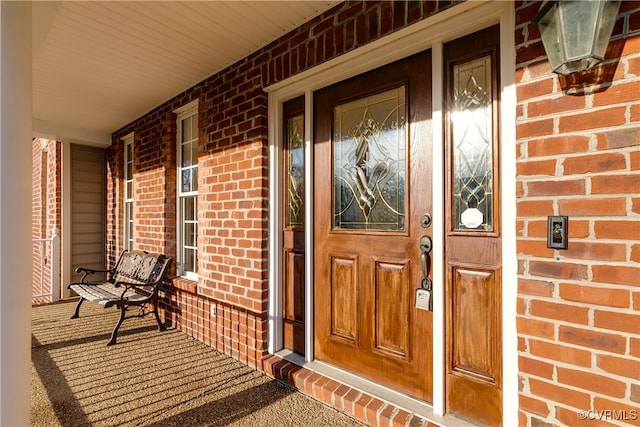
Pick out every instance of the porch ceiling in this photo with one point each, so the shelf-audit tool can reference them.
(98, 65)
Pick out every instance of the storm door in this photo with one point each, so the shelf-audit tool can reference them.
(372, 186)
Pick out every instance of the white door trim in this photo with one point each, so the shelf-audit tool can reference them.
(430, 33)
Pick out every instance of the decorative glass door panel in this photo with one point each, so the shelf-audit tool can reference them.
(472, 121)
(369, 169)
(295, 170)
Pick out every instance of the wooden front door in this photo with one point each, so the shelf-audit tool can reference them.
(372, 181)
(473, 245)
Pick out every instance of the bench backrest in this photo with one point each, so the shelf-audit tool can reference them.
(140, 267)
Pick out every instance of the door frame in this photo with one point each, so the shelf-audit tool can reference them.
(431, 33)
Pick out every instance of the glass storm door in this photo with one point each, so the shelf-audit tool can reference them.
(372, 182)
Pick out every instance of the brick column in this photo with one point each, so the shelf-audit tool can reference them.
(15, 212)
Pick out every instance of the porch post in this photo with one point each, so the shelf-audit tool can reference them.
(15, 212)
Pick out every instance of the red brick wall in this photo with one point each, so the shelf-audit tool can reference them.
(579, 155)
(154, 185)
(46, 209)
(38, 213)
(233, 176)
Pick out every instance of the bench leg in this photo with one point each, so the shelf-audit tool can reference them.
(161, 326)
(114, 334)
(76, 313)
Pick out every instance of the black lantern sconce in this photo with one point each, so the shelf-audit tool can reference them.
(575, 33)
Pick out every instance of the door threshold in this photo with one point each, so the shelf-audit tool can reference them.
(411, 405)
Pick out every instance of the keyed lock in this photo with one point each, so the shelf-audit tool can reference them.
(425, 220)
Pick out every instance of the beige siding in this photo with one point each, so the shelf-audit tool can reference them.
(87, 208)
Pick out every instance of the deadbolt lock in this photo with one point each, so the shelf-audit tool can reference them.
(425, 220)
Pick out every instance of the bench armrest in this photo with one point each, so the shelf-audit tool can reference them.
(88, 272)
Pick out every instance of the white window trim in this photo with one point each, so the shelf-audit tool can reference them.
(431, 33)
(128, 198)
(185, 111)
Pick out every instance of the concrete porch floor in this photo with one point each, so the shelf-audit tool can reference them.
(150, 378)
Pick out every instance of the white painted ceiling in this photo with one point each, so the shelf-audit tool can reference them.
(98, 65)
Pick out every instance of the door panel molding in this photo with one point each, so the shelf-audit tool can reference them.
(475, 290)
(392, 320)
(344, 298)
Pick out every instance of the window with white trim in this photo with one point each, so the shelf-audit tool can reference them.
(128, 192)
(187, 221)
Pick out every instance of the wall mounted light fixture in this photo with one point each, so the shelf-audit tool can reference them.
(575, 33)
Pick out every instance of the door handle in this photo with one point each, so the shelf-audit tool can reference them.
(425, 244)
(424, 294)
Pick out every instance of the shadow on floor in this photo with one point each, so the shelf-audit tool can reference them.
(150, 378)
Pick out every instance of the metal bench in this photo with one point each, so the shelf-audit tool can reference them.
(134, 281)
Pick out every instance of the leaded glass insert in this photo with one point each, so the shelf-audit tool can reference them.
(472, 121)
(369, 158)
(295, 171)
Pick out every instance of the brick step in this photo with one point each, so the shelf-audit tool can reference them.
(351, 401)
